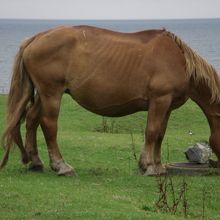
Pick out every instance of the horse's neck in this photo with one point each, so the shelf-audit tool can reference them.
(212, 111)
(201, 94)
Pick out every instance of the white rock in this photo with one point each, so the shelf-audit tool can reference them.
(199, 153)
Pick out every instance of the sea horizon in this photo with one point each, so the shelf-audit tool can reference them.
(203, 35)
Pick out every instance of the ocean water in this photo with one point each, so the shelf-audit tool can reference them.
(202, 35)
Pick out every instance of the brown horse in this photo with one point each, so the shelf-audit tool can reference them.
(111, 74)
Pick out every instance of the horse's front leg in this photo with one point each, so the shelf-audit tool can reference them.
(214, 141)
(158, 115)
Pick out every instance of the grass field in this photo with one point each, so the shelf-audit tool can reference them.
(108, 185)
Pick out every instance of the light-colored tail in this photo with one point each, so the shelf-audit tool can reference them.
(20, 94)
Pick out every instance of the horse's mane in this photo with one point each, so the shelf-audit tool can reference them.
(199, 68)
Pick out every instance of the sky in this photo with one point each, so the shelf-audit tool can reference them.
(109, 9)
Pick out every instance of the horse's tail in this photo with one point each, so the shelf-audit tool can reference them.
(20, 94)
(198, 68)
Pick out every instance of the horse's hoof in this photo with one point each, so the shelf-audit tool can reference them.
(142, 166)
(214, 164)
(154, 174)
(68, 173)
(36, 167)
(62, 168)
(66, 170)
(158, 170)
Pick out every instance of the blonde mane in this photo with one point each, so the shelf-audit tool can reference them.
(199, 68)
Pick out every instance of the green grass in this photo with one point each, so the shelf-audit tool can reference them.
(108, 185)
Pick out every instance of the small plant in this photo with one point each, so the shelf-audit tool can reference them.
(169, 198)
(133, 146)
(168, 151)
(107, 126)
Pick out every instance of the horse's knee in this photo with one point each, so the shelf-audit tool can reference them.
(152, 136)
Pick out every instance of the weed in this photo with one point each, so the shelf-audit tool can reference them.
(107, 126)
(169, 198)
(133, 150)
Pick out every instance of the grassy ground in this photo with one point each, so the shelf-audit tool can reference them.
(108, 185)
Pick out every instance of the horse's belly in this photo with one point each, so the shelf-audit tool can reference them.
(121, 109)
(117, 110)
(110, 103)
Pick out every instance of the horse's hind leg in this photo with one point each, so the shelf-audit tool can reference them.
(150, 161)
(32, 123)
(18, 140)
(49, 116)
